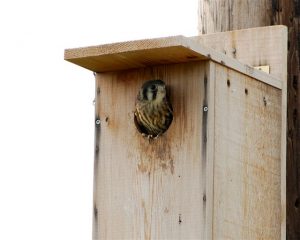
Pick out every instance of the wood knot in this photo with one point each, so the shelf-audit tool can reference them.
(228, 83)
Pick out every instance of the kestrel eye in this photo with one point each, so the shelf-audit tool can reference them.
(152, 87)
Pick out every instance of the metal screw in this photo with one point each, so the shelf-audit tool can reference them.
(205, 108)
(98, 121)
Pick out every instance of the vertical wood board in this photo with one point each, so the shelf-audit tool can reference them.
(225, 15)
(152, 190)
(247, 166)
(254, 46)
(288, 13)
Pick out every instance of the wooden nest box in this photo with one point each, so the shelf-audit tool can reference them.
(218, 172)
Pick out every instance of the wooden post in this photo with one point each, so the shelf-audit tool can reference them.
(226, 15)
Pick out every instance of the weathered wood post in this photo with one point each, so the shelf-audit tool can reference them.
(226, 15)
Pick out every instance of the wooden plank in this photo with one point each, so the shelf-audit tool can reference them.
(137, 59)
(247, 164)
(153, 190)
(225, 15)
(260, 46)
(283, 45)
(208, 174)
(133, 54)
(96, 227)
(150, 52)
(288, 13)
(254, 46)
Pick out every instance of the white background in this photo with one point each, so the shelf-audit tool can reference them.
(46, 110)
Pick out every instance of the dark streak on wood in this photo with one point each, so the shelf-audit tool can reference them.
(297, 9)
(204, 142)
(96, 162)
(295, 82)
(95, 212)
(275, 6)
(179, 219)
(297, 203)
(97, 142)
(95, 221)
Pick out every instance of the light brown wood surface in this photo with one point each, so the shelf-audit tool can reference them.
(217, 16)
(212, 175)
(254, 46)
(157, 189)
(151, 52)
(247, 165)
(225, 15)
(135, 54)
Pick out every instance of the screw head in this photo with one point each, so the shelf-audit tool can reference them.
(98, 121)
(205, 108)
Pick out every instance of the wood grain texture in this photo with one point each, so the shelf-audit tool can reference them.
(212, 175)
(135, 54)
(157, 189)
(288, 13)
(151, 52)
(226, 15)
(210, 155)
(259, 46)
(247, 166)
(255, 47)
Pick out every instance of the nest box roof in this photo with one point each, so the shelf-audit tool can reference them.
(150, 52)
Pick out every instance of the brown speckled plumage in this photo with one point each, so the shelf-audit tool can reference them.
(153, 114)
